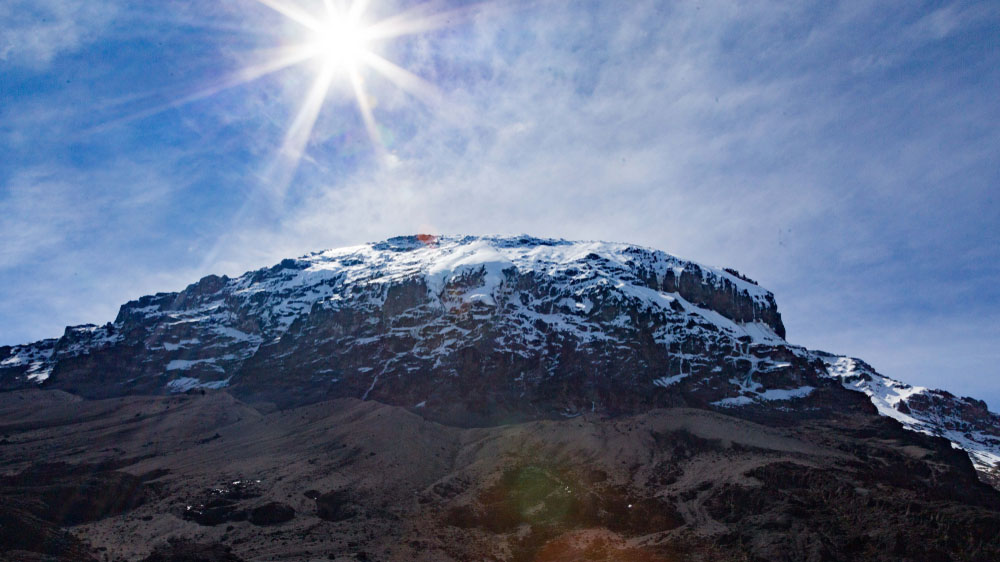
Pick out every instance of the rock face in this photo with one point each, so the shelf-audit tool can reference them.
(479, 331)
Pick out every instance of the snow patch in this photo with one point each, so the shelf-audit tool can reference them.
(774, 394)
(180, 344)
(469, 258)
(672, 380)
(187, 364)
(761, 333)
(184, 384)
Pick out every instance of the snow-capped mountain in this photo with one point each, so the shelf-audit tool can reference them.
(483, 329)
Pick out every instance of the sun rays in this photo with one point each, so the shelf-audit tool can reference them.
(342, 46)
(341, 41)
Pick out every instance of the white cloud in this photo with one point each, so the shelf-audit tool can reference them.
(34, 32)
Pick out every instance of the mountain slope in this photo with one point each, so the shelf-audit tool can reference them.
(484, 330)
(360, 480)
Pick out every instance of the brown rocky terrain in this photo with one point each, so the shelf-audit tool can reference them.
(202, 476)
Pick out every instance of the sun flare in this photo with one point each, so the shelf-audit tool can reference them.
(340, 42)
(347, 48)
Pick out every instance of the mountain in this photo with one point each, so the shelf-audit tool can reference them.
(483, 330)
(479, 398)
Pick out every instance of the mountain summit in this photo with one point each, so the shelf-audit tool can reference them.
(485, 330)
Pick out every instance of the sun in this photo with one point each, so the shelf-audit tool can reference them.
(339, 36)
(346, 44)
(340, 41)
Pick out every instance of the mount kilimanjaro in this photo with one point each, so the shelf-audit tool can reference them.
(470, 335)
(478, 330)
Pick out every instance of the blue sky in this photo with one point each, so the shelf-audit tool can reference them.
(846, 155)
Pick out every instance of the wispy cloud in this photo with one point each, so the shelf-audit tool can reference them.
(55, 210)
(71, 244)
(36, 31)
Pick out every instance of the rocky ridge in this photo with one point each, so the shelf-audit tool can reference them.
(482, 330)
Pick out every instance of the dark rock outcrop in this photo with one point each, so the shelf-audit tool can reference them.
(337, 506)
(65, 494)
(37, 503)
(272, 513)
(24, 537)
(724, 297)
